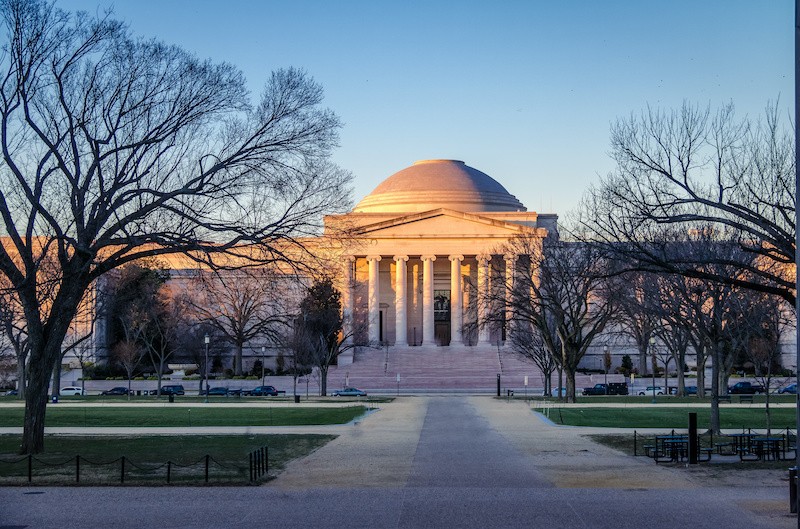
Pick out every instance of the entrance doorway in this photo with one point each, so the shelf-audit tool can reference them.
(441, 316)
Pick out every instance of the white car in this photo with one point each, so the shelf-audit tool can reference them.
(649, 391)
(71, 390)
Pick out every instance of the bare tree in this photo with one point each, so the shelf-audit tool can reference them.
(636, 319)
(128, 355)
(241, 306)
(566, 286)
(528, 343)
(117, 148)
(676, 170)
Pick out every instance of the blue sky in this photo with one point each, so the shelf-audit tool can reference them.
(522, 90)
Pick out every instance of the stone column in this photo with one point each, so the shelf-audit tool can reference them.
(374, 332)
(456, 301)
(347, 298)
(511, 262)
(483, 299)
(428, 334)
(400, 314)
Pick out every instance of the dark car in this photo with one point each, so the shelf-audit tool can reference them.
(349, 392)
(215, 391)
(12, 393)
(690, 390)
(115, 391)
(170, 389)
(263, 391)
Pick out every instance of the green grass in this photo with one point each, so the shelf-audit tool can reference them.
(146, 458)
(655, 417)
(182, 416)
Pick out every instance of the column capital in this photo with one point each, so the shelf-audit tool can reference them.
(427, 257)
(400, 258)
(456, 257)
(373, 258)
(510, 256)
(349, 258)
(483, 258)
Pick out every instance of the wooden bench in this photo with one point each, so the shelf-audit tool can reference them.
(745, 398)
(724, 398)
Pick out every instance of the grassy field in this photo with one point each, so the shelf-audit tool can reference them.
(146, 458)
(655, 417)
(182, 416)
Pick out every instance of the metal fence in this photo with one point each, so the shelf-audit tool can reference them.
(122, 470)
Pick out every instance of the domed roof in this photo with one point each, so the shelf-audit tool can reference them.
(433, 184)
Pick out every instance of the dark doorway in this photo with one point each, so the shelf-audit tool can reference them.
(441, 316)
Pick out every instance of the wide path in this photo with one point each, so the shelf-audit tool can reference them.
(422, 462)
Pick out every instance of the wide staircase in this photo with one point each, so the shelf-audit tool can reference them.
(424, 368)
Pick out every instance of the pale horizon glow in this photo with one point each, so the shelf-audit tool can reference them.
(524, 91)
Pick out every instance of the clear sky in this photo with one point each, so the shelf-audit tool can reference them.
(524, 91)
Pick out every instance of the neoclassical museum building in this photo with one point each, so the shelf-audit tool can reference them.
(426, 249)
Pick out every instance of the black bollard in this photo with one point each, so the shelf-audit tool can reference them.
(498, 384)
(693, 445)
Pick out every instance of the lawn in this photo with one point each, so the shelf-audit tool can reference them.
(146, 458)
(182, 416)
(655, 417)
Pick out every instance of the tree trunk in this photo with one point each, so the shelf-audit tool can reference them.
(715, 424)
(323, 380)
(237, 360)
(701, 374)
(643, 359)
(570, 384)
(36, 396)
(55, 387)
(21, 378)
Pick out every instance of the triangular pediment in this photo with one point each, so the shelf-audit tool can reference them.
(441, 223)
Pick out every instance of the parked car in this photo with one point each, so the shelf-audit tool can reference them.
(119, 390)
(219, 391)
(71, 390)
(11, 393)
(649, 390)
(554, 392)
(613, 388)
(691, 390)
(169, 389)
(349, 392)
(791, 388)
(263, 391)
(745, 388)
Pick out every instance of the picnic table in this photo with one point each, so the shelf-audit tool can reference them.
(671, 448)
(741, 441)
(766, 448)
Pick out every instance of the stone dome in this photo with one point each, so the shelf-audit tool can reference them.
(433, 184)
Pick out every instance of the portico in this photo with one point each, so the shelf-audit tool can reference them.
(427, 263)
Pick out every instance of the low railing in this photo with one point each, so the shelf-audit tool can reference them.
(122, 470)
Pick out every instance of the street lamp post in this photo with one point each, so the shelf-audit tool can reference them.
(605, 367)
(207, 339)
(263, 351)
(653, 367)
